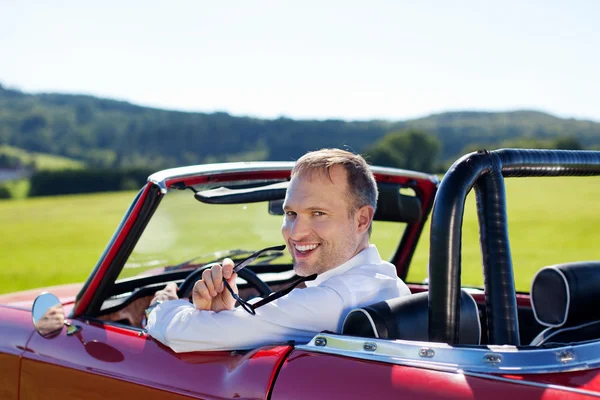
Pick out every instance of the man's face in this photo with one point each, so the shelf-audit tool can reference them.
(319, 229)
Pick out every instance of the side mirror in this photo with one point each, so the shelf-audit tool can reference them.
(48, 316)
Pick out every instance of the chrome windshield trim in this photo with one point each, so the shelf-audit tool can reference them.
(441, 356)
(159, 178)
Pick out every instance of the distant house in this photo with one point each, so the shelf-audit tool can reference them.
(9, 174)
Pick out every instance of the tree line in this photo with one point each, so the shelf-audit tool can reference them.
(111, 135)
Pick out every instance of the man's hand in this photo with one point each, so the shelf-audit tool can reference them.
(168, 293)
(210, 292)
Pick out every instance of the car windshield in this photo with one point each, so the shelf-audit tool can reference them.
(185, 232)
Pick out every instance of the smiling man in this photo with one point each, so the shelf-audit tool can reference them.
(329, 208)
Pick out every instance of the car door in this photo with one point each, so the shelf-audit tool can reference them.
(312, 375)
(107, 361)
(15, 330)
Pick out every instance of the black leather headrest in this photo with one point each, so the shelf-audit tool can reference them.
(567, 294)
(407, 318)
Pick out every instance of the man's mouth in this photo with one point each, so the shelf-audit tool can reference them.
(305, 249)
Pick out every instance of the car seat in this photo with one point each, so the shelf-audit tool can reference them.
(565, 298)
(407, 318)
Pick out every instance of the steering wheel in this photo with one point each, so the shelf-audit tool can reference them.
(185, 289)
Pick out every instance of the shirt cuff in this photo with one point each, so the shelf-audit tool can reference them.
(161, 314)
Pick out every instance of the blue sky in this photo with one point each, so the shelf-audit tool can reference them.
(350, 60)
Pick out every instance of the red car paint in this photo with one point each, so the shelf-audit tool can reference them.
(307, 375)
(16, 327)
(100, 353)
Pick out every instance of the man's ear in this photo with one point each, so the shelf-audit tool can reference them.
(364, 216)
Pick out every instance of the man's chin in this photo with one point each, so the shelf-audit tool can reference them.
(302, 269)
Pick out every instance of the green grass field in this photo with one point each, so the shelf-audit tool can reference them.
(56, 240)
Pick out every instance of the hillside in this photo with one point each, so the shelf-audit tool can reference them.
(457, 130)
(110, 133)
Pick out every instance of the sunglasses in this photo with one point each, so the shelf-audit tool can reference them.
(251, 308)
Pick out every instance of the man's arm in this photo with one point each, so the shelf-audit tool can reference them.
(298, 316)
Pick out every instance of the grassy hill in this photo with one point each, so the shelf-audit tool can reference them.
(468, 129)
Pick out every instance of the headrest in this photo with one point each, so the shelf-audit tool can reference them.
(567, 294)
(407, 318)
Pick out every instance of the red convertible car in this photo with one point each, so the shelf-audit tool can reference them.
(442, 341)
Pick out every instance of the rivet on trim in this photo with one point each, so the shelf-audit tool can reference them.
(492, 358)
(370, 346)
(320, 341)
(426, 352)
(565, 356)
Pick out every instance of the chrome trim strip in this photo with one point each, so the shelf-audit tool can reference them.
(159, 178)
(530, 383)
(482, 359)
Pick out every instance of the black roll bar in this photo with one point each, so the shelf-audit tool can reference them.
(485, 171)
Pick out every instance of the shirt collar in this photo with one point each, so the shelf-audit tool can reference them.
(370, 255)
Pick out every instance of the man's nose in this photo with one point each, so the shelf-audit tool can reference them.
(299, 228)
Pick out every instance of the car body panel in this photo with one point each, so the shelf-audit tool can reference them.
(16, 328)
(332, 376)
(114, 360)
(586, 380)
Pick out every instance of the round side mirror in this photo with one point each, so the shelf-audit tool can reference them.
(48, 315)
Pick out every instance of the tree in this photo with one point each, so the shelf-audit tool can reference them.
(5, 192)
(410, 149)
(568, 143)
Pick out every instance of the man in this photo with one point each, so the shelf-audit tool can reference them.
(329, 207)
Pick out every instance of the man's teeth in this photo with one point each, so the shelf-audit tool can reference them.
(307, 247)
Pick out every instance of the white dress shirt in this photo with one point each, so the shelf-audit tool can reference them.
(297, 316)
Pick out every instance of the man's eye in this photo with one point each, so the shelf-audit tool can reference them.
(290, 214)
(318, 213)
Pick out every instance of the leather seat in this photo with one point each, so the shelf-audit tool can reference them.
(407, 318)
(565, 298)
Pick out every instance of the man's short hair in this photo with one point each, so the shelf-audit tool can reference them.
(361, 182)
